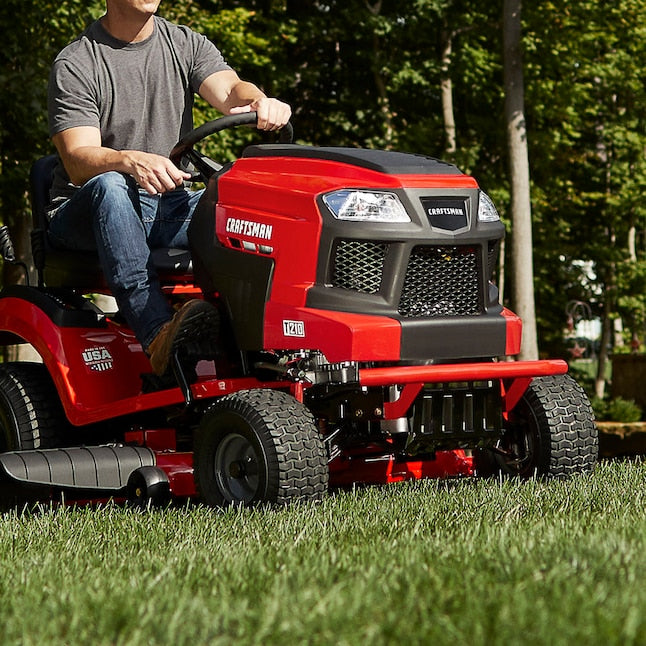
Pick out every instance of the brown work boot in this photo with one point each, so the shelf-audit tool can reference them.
(195, 323)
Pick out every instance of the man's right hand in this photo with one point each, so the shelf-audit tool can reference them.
(154, 173)
(84, 158)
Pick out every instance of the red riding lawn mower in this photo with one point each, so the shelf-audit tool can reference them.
(359, 339)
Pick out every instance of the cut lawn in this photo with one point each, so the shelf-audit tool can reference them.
(432, 562)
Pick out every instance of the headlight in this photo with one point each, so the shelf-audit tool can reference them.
(366, 206)
(486, 209)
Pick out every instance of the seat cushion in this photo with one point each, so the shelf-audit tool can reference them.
(82, 270)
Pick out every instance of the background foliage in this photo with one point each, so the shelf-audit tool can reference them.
(369, 72)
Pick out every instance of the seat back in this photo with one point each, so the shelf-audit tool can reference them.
(82, 270)
(40, 181)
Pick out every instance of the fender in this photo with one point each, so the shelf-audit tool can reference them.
(94, 363)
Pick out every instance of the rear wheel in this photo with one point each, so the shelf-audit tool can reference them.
(550, 432)
(259, 446)
(31, 415)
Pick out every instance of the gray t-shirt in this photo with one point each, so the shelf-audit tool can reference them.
(139, 95)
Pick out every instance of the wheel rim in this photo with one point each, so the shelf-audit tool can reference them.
(237, 469)
(518, 450)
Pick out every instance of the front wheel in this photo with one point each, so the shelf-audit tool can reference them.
(551, 431)
(258, 446)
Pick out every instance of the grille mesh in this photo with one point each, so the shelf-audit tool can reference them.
(358, 265)
(441, 281)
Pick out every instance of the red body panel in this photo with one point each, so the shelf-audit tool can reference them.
(97, 372)
(514, 332)
(287, 189)
(384, 468)
(355, 337)
(93, 368)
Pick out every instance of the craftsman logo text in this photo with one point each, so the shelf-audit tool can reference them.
(250, 229)
(445, 210)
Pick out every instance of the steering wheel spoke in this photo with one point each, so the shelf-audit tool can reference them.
(201, 167)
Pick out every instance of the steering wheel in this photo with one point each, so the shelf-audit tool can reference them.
(206, 167)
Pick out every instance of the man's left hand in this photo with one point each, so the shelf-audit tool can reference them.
(272, 113)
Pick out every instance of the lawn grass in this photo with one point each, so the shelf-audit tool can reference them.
(431, 562)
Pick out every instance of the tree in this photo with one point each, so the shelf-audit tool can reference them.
(588, 115)
(33, 33)
(521, 212)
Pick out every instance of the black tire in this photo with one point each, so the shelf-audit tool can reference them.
(551, 431)
(31, 415)
(259, 446)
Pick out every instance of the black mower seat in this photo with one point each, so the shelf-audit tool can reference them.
(65, 268)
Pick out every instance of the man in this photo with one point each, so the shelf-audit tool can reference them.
(120, 97)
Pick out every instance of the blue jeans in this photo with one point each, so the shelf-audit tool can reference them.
(111, 215)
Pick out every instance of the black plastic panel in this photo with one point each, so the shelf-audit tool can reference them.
(464, 337)
(105, 468)
(64, 307)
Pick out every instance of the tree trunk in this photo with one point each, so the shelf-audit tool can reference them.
(602, 362)
(446, 90)
(382, 91)
(521, 212)
(632, 243)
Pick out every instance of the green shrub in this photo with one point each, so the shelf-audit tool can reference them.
(616, 410)
(600, 408)
(624, 410)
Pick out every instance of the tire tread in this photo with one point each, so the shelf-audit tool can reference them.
(27, 389)
(298, 456)
(567, 423)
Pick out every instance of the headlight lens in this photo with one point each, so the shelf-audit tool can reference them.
(486, 209)
(366, 206)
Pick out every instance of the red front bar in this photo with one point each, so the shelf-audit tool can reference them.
(446, 373)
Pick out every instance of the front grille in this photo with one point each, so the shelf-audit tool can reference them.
(449, 416)
(358, 265)
(442, 281)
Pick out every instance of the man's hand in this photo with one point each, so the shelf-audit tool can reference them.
(155, 174)
(230, 95)
(84, 157)
(272, 113)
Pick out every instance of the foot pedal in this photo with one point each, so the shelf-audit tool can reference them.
(196, 340)
(198, 336)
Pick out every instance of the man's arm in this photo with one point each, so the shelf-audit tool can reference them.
(84, 157)
(228, 93)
